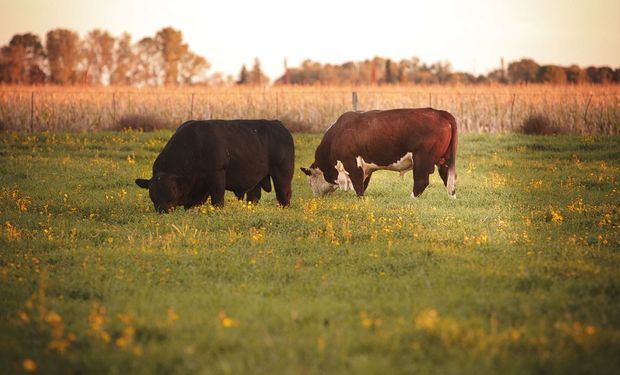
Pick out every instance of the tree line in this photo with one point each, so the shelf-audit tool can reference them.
(165, 59)
(101, 59)
(412, 71)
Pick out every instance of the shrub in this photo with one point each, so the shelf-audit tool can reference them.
(147, 123)
(537, 124)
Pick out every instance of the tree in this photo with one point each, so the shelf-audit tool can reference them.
(328, 75)
(63, 52)
(551, 74)
(244, 77)
(496, 76)
(124, 61)
(310, 72)
(257, 77)
(461, 78)
(441, 70)
(367, 71)
(601, 75)
(148, 68)
(575, 75)
(524, 70)
(218, 79)
(406, 69)
(22, 61)
(193, 69)
(347, 73)
(172, 49)
(390, 77)
(98, 51)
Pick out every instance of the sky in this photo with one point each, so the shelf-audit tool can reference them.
(473, 35)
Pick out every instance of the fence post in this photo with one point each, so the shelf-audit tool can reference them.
(585, 115)
(113, 109)
(354, 100)
(277, 106)
(191, 108)
(32, 112)
(512, 109)
(430, 99)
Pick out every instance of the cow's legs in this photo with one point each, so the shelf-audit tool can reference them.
(356, 175)
(282, 183)
(443, 172)
(254, 194)
(239, 194)
(424, 166)
(218, 187)
(197, 202)
(366, 181)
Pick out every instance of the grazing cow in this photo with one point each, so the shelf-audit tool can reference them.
(360, 143)
(204, 158)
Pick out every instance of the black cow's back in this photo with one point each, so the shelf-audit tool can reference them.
(206, 145)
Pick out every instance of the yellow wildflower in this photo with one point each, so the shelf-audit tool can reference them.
(29, 365)
(226, 321)
(172, 315)
(427, 320)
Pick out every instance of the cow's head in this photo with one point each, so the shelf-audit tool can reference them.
(165, 190)
(317, 181)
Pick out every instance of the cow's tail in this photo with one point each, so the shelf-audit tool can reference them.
(454, 142)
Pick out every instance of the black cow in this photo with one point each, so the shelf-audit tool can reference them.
(205, 158)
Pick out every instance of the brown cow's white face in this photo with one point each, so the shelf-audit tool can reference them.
(318, 184)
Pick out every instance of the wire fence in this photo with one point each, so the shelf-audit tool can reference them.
(477, 110)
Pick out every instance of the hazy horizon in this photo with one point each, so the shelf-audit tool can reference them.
(472, 35)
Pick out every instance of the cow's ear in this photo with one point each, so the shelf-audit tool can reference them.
(307, 171)
(144, 184)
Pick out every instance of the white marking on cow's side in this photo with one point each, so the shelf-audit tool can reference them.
(318, 184)
(343, 181)
(402, 165)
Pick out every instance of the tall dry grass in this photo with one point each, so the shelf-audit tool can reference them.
(478, 109)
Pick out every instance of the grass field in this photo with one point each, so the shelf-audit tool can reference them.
(521, 274)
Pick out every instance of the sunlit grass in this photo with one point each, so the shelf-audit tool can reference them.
(576, 109)
(518, 275)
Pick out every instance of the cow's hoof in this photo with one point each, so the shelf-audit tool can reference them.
(412, 196)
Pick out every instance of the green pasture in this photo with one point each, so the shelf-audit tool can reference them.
(519, 275)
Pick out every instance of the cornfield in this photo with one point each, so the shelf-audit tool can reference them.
(488, 109)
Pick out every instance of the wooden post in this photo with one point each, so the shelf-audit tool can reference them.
(52, 121)
(512, 109)
(430, 100)
(32, 112)
(354, 100)
(585, 115)
(191, 108)
(277, 100)
(113, 109)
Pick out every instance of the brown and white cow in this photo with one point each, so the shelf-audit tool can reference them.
(401, 140)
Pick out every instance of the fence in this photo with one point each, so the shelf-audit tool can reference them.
(500, 109)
